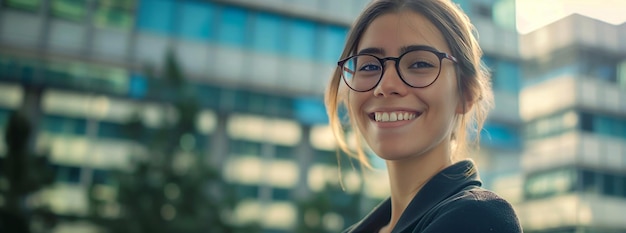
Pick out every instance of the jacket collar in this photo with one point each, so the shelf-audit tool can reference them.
(444, 184)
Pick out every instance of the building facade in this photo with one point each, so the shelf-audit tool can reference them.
(573, 104)
(82, 69)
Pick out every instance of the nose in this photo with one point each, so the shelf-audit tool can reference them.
(390, 83)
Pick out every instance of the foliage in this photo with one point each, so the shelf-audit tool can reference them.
(332, 200)
(171, 188)
(23, 174)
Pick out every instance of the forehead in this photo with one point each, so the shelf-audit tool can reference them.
(392, 31)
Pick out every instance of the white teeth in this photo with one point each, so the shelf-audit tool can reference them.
(393, 116)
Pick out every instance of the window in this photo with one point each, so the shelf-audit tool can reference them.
(257, 103)
(280, 194)
(325, 157)
(101, 176)
(500, 136)
(242, 100)
(232, 27)
(208, 96)
(621, 74)
(247, 191)
(114, 14)
(284, 106)
(63, 125)
(67, 174)
(608, 125)
(483, 10)
(268, 33)
(508, 76)
(156, 15)
(69, 9)
(586, 122)
(196, 20)
(302, 41)
(333, 39)
(553, 125)
(111, 130)
(504, 14)
(589, 181)
(622, 187)
(138, 86)
(240, 147)
(609, 185)
(549, 183)
(598, 64)
(285, 152)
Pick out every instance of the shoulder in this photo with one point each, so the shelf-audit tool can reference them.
(474, 210)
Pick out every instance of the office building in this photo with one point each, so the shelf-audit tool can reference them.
(573, 104)
(81, 71)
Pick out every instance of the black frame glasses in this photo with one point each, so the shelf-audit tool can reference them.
(419, 72)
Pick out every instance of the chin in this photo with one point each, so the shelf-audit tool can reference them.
(394, 154)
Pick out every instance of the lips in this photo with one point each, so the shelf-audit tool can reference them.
(393, 116)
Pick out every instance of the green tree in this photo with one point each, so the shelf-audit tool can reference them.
(24, 173)
(172, 189)
(332, 200)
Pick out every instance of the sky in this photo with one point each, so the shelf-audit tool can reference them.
(533, 14)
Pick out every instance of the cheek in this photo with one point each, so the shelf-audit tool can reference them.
(355, 102)
(449, 89)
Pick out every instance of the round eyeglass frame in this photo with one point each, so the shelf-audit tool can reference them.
(440, 55)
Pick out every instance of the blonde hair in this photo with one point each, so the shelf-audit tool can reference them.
(473, 79)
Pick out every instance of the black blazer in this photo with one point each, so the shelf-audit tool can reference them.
(452, 201)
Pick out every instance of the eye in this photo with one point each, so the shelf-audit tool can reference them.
(421, 64)
(369, 67)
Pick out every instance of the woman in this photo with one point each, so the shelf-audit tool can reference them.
(413, 86)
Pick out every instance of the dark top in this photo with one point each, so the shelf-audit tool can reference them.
(452, 201)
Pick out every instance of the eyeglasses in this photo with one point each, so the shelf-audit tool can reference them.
(417, 68)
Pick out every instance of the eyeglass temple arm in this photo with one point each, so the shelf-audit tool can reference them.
(348, 70)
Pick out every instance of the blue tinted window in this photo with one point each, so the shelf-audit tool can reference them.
(232, 27)
(111, 130)
(507, 76)
(208, 96)
(62, 125)
(500, 136)
(155, 15)
(247, 191)
(138, 86)
(602, 125)
(310, 111)
(68, 174)
(241, 147)
(280, 194)
(332, 43)
(4, 117)
(268, 33)
(301, 39)
(101, 176)
(196, 20)
(285, 152)
(489, 62)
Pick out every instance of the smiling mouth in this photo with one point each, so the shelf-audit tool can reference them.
(393, 116)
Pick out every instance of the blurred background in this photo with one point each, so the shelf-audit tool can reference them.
(208, 116)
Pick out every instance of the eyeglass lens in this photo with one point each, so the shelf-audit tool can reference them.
(417, 68)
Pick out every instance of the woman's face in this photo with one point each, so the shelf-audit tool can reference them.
(431, 110)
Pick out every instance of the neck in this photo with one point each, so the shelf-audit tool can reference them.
(407, 176)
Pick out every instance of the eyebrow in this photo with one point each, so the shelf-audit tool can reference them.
(404, 49)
